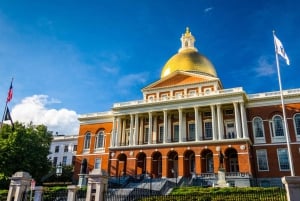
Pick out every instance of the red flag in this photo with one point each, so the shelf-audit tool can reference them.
(10, 93)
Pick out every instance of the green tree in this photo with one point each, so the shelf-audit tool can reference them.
(24, 148)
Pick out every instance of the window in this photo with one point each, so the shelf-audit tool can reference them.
(283, 159)
(207, 114)
(192, 93)
(56, 149)
(262, 160)
(151, 98)
(54, 161)
(73, 160)
(164, 97)
(178, 94)
(229, 112)
(297, 124)
(97, 164)
(208, 129)
(175, 133)
(258, 129)
(99, 140)
(277, 126)
(230, 130)
(66, 148)
(64, 160)
(146, 134)
(191, 131)
(207, 90)
(161, 133)
(87, 141)
(75, 147)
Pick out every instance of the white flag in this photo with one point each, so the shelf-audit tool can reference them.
(280, 50)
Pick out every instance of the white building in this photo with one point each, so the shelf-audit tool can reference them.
(63, 149)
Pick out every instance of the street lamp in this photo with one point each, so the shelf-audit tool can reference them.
(174, 174)
(59, 170)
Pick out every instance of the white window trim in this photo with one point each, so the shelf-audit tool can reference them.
(266, 155)
(295, 128)
(258, 139)
(158, 137)
(146, 135)
(100, 164)
(230, 121)
(96, 141)
(205, 137)
(188, 130)
(283, 170)
(84, 143)
(192, 93)
(173, 134)
(151, 98)
(164, 96)
(274, 138)
(178, 95)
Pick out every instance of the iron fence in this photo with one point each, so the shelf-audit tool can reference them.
(278, 195)
(61, 195)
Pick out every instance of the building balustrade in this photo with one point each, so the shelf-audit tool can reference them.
(188, 96)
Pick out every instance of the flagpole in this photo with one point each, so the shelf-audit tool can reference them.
(3, 115)
(287, 135)
(7, 100)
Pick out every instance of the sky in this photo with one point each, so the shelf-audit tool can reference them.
(69, 58)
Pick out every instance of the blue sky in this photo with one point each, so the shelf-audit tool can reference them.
(75, 57)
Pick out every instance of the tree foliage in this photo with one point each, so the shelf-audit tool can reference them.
(25, 148)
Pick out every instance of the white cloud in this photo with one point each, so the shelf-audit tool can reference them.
(34, 109)
(206, 10)
(265, 68)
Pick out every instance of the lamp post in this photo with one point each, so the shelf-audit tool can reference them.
(59, 170)
(175, 175)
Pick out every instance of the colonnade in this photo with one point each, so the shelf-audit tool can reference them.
(132, 130)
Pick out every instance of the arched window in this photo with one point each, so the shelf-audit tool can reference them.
(278, 126)
(87, 141)
(258, 129)
(297, 124)
(99, 140)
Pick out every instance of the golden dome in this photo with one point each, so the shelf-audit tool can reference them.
(188, 59)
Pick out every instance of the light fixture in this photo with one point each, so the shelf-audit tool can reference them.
(59, 170)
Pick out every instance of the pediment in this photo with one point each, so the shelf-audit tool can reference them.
(179, 79)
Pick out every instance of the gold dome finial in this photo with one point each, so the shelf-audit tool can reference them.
(188, 59)
(187, 31)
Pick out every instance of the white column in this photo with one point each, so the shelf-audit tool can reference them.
(154, 136)
(169, 128)
(141, 130)
(131, 130)
(165, 126)
(150, 129)
(220, 122)
(123, 132)
(118, 138)
(113, 133)
(136, 129)
(200, 126)
(213, 121)
(180, 124)
(237, 120)
(197, 129)
(244, 120)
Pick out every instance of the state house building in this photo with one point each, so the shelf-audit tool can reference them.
(188, 126)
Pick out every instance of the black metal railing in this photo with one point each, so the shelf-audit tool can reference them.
(278, 195)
